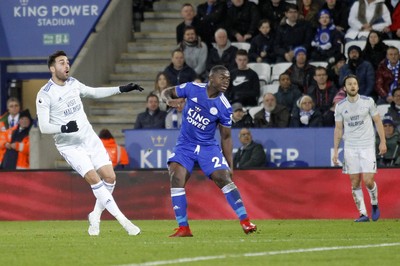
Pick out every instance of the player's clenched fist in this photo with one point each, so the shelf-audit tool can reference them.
(130, 87)
(70, 127)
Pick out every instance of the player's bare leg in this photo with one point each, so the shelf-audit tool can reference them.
(222, 178)
(106, 201)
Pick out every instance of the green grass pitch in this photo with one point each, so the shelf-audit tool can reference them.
(277, 242)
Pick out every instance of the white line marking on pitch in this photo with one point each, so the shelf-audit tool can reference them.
(269, 253)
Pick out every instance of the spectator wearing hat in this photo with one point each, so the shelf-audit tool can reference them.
(339, 13)
(304, 114)
(250, 154)
(291, 33)
(327, 41)
(287, 93)
(392, 136)
(357, 66)
(366, 16)
(17, 144)
(244, 84)
(240, 118)
(388, 76)
(301, 72)
(118, 155)
(272, 115)
(333, 69)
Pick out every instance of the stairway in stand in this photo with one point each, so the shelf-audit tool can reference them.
(147, 54)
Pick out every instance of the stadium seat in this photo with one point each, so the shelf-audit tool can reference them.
(296, 163)
(271, 88)
(253, 110)
(395, 43)
(242, 45)
(382, 109)
(359, 43)
(263, 71)
(271, 164)
(278, 69)
(319, 63)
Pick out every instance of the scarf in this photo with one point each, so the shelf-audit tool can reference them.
(395, 72)
(323, 36)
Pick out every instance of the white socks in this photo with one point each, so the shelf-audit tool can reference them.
(359, 200)
(373, 194)
(106, 200)
(98, 207)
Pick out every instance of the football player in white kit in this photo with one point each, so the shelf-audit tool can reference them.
(355, 114)
(60, 112)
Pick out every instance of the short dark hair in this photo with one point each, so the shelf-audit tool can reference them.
(105, 134)
(291, 6)
(349, 76)
(262, 21)
(320, 68)
(150, 96)
(217, 69)
(242, 52)
(52, 57)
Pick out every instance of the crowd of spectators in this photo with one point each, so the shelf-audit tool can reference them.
(301, 34)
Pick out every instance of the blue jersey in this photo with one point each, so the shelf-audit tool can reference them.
(201, 114)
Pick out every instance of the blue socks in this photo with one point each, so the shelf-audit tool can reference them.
(179, 203)
(232, 195)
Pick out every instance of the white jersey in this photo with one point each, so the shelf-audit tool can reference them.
(57, 105)
(359, 130)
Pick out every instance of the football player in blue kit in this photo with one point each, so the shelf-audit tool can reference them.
(206, 109)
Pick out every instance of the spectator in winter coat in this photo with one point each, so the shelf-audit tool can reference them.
(323, 91)
(387, 76)
(287, 93)
(262, 46)
(250, 154)
(241, 20)
(290, 34)
(178, 71)
(222, 52)
(364, 71)
(305, 114)
(153, 117)
(272, 115)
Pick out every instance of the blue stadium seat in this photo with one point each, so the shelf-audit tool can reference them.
(296, 163)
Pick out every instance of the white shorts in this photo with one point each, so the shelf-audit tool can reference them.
(88, 155)
(359, 160)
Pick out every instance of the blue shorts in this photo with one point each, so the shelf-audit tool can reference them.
(210, 158)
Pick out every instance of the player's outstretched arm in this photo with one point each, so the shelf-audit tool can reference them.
(130, 87)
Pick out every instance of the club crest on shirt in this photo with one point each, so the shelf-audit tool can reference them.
(213, 111)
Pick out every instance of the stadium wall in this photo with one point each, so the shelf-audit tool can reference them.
(319, 193)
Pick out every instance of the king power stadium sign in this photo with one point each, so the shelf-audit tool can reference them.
(33, 29)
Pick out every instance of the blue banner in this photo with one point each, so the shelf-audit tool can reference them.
(151, 148)
(33, 29)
